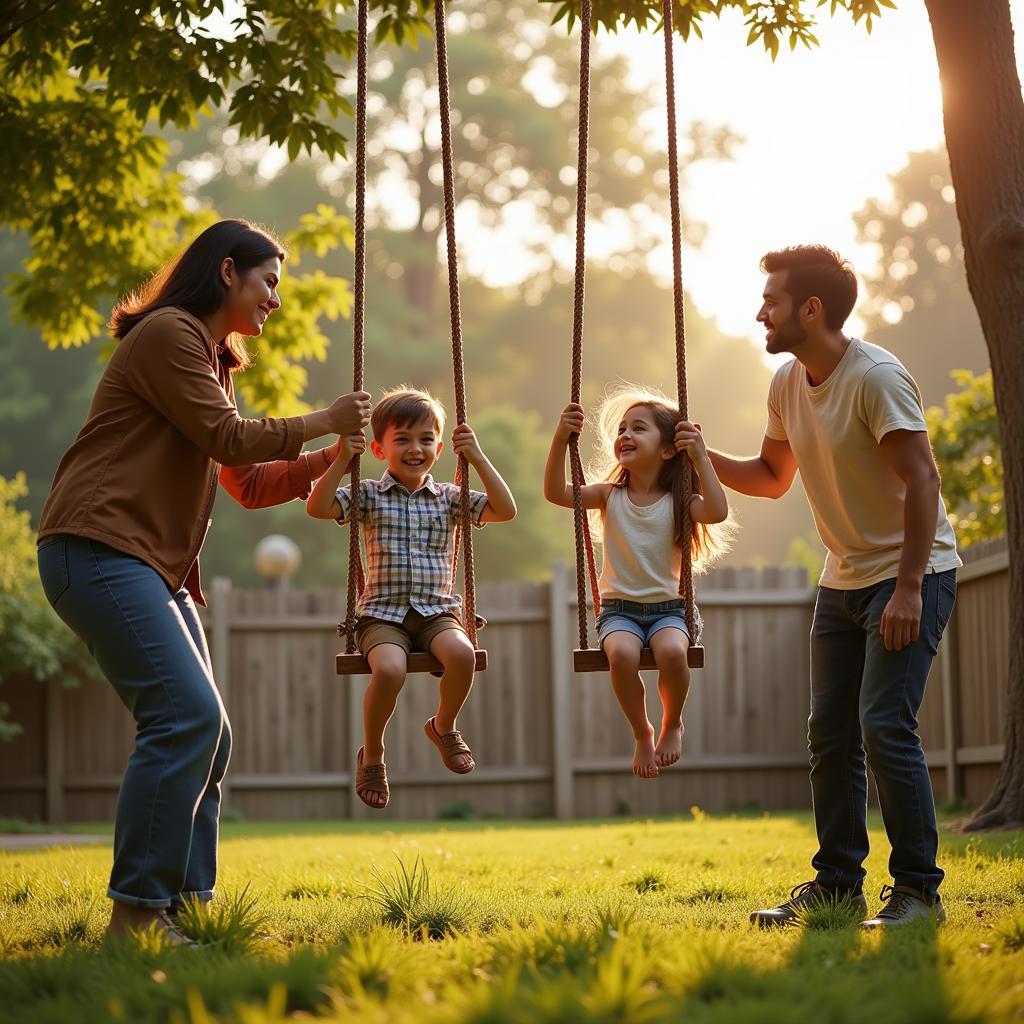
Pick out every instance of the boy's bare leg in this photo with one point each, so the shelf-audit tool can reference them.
(623, 650)
(388, 666)
(670, 646)
(453, 649)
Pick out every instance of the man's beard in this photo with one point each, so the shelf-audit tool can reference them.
(786, 336)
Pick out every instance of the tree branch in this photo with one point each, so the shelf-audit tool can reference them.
(8, 33)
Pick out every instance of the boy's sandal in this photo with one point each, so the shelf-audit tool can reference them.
(371, 778)
(451, 745)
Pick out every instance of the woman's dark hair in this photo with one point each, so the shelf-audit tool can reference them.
(192, 281)
(816, 270)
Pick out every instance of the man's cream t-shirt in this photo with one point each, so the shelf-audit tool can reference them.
(834, 431)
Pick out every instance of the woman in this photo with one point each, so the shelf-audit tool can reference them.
(120, 534)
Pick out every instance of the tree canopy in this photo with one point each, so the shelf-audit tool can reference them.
(91, 89)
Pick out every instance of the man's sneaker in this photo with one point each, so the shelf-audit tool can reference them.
(904, 905)
(802, 898)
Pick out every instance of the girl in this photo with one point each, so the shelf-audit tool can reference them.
(641, 468)
(121, 530)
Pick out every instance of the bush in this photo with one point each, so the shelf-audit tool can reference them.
(34, 643)
(965, 438)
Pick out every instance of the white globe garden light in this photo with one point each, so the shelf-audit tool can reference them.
(276, 557)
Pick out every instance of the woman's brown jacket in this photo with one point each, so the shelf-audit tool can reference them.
(163, 428)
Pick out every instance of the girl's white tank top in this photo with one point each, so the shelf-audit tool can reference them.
(641, 560)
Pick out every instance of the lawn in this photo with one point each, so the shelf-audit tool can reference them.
(514, 922)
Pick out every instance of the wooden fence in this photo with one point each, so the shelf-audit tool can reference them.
(547, 742)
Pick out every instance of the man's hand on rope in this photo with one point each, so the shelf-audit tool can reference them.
(571, 421)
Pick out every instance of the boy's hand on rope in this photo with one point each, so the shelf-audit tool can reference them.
(351, 445)
(464, 442)
(349, 413)
(689, 439)
(571, 421)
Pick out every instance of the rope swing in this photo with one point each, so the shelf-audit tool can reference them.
(586, 658)
(352, 663)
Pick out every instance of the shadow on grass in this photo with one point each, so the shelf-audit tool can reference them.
(835, 974)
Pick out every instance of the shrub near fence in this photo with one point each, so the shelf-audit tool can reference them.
(546, 741)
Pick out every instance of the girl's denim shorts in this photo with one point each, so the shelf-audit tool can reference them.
(641, 618)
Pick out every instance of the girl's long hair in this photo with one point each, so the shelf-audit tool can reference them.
(707, 542)
(192, 282)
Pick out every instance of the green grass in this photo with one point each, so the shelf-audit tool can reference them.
(494, 922)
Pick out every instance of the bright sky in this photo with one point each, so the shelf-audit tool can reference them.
(824, 128)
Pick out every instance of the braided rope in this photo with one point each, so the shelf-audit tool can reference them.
(686, 566)
(355, 567)
(585, 565)
(462, 473)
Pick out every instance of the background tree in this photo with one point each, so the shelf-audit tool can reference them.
(87, 86)
(917, 303)
(514, 140)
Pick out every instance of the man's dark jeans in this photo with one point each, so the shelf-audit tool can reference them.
(865, 699)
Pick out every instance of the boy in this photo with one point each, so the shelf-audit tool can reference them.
(409, 523)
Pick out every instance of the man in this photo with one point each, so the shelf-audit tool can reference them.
(849, 417)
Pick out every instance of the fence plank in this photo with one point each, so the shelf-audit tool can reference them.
(54, 751)
(561, 692)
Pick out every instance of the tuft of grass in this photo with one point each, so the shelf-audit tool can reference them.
(649, 880)
(16, 892)
(548, 948)
(408, 900)
(310, 889)
(71, 922)
(829, 915)
(376, 964)
(234, 924)
(711, 892)
(1010, 931)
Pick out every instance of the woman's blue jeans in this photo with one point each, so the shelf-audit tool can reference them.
(150, 645)
(865, 700)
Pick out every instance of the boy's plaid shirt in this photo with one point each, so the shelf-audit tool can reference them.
(409, 545)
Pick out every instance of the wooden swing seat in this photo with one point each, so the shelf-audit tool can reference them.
(419, 661)
(593, 659)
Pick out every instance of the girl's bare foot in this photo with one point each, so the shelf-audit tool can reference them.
(670, 745)
(645, 762)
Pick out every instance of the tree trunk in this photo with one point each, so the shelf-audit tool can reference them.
(984, 123)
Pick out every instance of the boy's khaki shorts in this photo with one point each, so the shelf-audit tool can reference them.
(415, 633)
